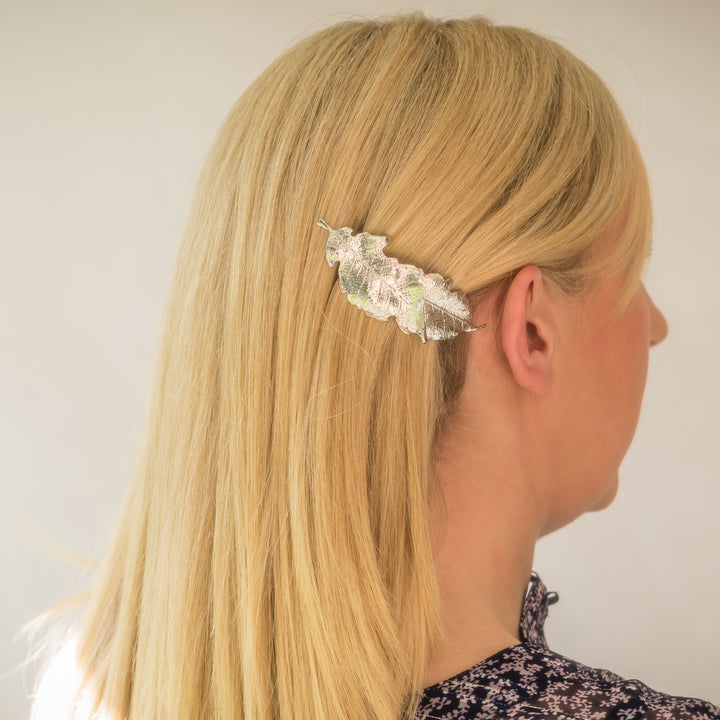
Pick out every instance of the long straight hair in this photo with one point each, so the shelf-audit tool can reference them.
(273, 559)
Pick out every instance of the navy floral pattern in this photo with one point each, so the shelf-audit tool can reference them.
(529, 681)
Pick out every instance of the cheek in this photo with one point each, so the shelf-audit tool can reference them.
(602, 388)
(605, 407)
(630, 375)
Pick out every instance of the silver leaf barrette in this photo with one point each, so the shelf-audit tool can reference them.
(383, 287)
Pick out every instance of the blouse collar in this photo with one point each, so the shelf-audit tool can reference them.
(535, 612)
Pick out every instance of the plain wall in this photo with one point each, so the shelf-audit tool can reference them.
(107, 111)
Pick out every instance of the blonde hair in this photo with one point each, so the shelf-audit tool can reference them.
(273, 559)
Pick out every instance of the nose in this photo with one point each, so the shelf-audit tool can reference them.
(658, 324)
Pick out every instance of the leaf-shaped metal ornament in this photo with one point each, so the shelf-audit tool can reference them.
(383, 287)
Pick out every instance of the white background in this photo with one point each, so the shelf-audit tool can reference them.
(107, 111)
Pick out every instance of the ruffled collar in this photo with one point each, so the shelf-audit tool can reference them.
(535, 611)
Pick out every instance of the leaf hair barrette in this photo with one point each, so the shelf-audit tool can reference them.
(383, 287)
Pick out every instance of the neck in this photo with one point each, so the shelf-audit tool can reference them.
(485, 523)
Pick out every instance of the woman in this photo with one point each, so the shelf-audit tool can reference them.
(330, 515)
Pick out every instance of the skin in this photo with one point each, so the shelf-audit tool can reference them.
(541, 426)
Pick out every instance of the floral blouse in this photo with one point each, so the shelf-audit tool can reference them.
(529, 681)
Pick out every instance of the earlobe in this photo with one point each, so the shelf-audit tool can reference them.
(527, 331)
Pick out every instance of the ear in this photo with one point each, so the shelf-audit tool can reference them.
(529, 325)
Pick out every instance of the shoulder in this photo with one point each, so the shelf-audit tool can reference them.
(572, 686)
(526, 681)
